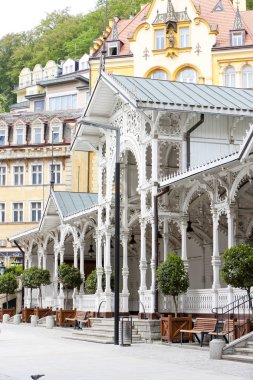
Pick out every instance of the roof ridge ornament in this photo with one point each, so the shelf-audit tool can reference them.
(238, 25)
(171, 15)
(114, 34)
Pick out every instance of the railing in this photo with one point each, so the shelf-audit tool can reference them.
(240, 312)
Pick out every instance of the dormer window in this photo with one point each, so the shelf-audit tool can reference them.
(20, 136)
(238, 38)
(113, 48)
(2, 137)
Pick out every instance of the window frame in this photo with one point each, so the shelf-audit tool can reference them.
(2, 212)
(3, 175)
(37, 210)
(17, 135)
(159, 41)
(20, 175)
(152, 75)
(185, 38)
(3, 134)
(237, 38)
(19, 211)
(229, 78)
(38, 175)
(58, 174)
(188, 81)
(246, 75)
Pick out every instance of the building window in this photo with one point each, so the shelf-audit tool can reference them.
(39, 105)
(229, 77)
(2, 212)
(18, 212)
(159, 74)
(188, 76)
(2, 137)
(2, 175)
(247, 76)
(35, 211)
(37, 135)
(56, 135)
(18, 175)
(184, 37)
(20, 136)
(55, 172)
(237, 38)
(113, 48)
(36, 174)
(63, 102)
(159, 39)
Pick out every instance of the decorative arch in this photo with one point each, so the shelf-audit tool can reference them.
(190, 194)
(66, 231)
(186, 66)
(144, 25)
(243, 174)
(127, 144)
(157, 68)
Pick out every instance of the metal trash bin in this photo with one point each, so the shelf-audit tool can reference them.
(125, 331)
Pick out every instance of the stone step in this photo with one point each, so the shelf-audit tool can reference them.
(250, 343)
(238, 358)
(91, 339)
(244, 350)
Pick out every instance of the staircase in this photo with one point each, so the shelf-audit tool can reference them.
(240, 350)
(102, 331)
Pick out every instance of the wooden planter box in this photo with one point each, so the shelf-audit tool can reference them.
(11, 312)
(26, 314)
(62, 314)
(171, 326)
(42, 313)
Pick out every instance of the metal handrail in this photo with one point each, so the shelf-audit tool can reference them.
(237, 312)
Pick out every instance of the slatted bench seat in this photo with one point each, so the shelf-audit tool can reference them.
(202, 326)
(80, 317)
(228, 329)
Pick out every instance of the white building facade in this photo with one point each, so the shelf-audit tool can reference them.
(185, 155)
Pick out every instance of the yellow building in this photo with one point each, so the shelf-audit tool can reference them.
(195, 41)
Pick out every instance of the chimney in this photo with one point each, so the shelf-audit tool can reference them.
(241, 4)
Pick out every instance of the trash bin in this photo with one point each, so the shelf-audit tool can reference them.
(125, 331)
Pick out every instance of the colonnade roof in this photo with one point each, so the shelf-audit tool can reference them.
(70, 203)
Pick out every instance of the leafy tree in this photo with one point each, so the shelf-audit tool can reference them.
(91, 282)
(17, 270)
(69, 277)
(8, 285)
(172, 278)
(35, 278)
(237, 270)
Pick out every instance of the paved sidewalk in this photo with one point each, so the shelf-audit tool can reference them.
(26, 350)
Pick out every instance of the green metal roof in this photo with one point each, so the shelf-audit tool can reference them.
(153, 92)
(74, 203)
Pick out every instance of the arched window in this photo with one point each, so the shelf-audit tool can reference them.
(247, 76)
(188, 75)
(159, 74)
(229, 77)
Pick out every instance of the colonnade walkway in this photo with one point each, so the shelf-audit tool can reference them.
(27, 350)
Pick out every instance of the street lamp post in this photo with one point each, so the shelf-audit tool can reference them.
(117, 219)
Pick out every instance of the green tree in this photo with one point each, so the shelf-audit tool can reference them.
(17, 270)
(90, 286)
(35, 278)
(237, 270)
(8, 285)
(69, 277)
(172, 278)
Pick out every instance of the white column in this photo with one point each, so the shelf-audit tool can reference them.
(165, 240)
(155, 160)
(108, 268)
(75, 249)
(61, 294)
(143, 260)
(216, 262)
(231, 218)
(40, 254)
(153, 259)
(44, 260)
(125, 270)
(99, 264)
(184, 242)
(82, 249)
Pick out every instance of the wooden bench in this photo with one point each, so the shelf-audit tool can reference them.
(228, 330)
(202, 326)
(80, 318)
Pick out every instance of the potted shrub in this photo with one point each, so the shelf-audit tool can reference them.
(8, 285)
(35, 278)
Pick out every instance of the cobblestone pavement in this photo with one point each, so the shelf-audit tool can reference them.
(27, 350)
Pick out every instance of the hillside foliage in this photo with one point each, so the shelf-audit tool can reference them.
(59, 36)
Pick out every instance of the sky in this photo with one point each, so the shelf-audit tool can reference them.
(23, 15)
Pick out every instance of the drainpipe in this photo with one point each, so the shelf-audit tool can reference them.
(166, 190)
(188, 139)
